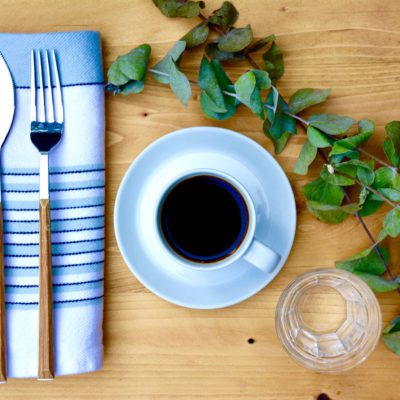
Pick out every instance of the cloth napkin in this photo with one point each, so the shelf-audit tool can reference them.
(77, 208)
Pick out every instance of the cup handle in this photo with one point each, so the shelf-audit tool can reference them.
(262, 257)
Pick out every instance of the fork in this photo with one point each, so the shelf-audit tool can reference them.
(47, 125)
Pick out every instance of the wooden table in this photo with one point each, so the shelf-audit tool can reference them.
(155, 350)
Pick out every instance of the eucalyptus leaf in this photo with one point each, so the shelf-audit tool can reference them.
(225, 17)
(366, 261)
(197, 36)
(306, 157)
(389, 193)
(216, 83)
(394, 326)
(280, 123)
(376, 283)
(273, 61)
(209, 84)
(129, 67)
(262, 79)
(164, 65)
(179, 83)
(392, 341)
(214, 52)
(350, 144)
(236, 39)
(391, 223)
(331, 124)
(369, 207)
(390, 152)
(259, 44)
(279, 142)
(132, 87)
(249, 94)
(330, 213)
(393, 132)
(307, 97)
(323, 192)
(177, 8)
(336, 179)
(318, 138)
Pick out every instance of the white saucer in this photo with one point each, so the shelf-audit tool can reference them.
(172, 155)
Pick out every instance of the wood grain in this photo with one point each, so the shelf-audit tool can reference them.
(155, 350)
(46, 345)
(3, 332)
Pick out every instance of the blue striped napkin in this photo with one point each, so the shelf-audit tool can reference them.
(77, 202)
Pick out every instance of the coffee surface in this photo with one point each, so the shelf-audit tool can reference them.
(204, 218)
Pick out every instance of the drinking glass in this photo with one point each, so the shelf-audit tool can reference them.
(328, 320)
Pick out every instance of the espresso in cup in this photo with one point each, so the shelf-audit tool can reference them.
(204, 218)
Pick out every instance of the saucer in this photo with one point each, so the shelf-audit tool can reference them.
(150, 174)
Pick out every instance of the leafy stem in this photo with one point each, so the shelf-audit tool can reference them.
(364, 226)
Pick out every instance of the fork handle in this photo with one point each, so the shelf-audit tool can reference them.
(3, 347)
(46, 344)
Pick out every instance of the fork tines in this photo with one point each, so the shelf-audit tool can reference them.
(43, 109)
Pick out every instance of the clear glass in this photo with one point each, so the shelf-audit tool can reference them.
(328, 320)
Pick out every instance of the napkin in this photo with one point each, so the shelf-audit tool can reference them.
(77, 208)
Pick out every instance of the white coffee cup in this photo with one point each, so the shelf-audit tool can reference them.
(251, 249)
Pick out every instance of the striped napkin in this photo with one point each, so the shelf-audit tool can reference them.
(77, 208)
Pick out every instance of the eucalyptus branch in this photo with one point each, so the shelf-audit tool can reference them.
(365, 227)
(220, 31)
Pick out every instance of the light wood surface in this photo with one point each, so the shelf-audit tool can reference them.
(155, 350)
(46, 345)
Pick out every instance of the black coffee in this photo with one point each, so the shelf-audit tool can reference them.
(204, 218)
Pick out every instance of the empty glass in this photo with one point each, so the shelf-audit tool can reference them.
(328, 320)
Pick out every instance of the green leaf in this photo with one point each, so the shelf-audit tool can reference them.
(280, 123)
(366, 261)
(386, 177)
(323, 192)
(164, 65)
(273, 61)
(369, 207)
(306, 157)
(336, 179)
(236, 39)
(132, 87)
(307, 97)
(392, 341)
(259, 44)
(330, 213)
(366, 126)
(318, 138)
(129, 67)
(393, 132)
(390, 152)
(225, 17)
(197, 36)
(177, 8)
(213, 52)
(262, 79)
(179, 83)
(331, 124)
(362, 169)
(394, 326)
(350, 144)
(391, 223)
(249, 94)
(376, 283)
(389, 193)
(209, 84)
(280, 142)
(214, 81)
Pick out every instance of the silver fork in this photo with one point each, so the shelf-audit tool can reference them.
(47, 125)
